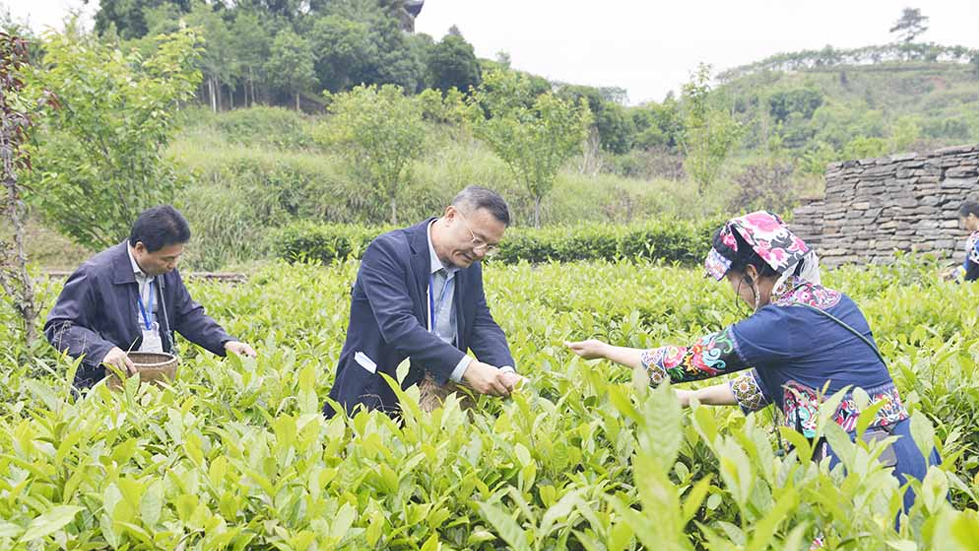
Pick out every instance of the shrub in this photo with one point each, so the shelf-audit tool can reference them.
(667, 240)
(271, 126)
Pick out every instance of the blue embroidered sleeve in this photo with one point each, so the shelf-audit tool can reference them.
(750, 392)
(712, 355)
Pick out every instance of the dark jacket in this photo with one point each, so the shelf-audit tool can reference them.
(98, 310)
(389, 317)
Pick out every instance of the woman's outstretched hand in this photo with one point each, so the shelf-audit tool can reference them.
(590, 349)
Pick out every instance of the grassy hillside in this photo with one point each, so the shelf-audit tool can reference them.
(847, 111)
(247, 177)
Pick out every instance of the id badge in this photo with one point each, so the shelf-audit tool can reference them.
(151, 339)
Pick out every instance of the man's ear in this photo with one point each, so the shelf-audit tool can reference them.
(140, 247)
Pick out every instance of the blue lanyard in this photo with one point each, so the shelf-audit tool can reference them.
(146, 318)
(435, 309)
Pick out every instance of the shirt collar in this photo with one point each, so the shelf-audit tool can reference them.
(436, 262)
(132, 260)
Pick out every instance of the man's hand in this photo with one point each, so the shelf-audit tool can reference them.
(590, 350)
(240, 349)
(118, 359)
(486, 379)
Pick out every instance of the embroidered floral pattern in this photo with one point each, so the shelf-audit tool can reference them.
(806, 293)
(716, 265)
(972, 247)
(749, 392)
(766, 234)
(710, 356)
(800, 404)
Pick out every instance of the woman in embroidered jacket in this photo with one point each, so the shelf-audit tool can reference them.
(788, 350)
(969, 221)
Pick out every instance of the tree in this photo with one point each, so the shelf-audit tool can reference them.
(128, 17)
(217, 60)
(710, 133)
(15, 121)
(291, 63)
(658, 124)
(99, 160)
(379, 132)
(452, 63)
(251, 44)
(343, 50)
(534, 142)
(910, 25)
(616, 129)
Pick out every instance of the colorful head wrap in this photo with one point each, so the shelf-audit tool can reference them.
(771, 240)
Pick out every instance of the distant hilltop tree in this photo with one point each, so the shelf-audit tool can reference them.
(911, 25)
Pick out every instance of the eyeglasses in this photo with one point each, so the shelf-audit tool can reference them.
(478, 243)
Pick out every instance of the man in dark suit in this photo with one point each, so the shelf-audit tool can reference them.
(419, 295)
(131, 297)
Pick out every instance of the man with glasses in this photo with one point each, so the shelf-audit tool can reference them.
(419, 295)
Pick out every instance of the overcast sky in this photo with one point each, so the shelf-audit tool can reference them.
(648, 47)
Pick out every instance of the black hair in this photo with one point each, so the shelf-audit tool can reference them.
(474, 198)
(743, 257)
(159, 227)
(969, 207)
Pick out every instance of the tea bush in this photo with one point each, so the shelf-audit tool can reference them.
(236, 454)
(665, 240)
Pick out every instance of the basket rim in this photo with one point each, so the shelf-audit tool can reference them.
(171, 359)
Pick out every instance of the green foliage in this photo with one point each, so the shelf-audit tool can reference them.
(237, 455)
(245, 184)
(291, 61)
(766, 184)
(452, 64)
(258, 192)
(865, 148)
(710, 133)
(128, 18)
(16, 114)
(267, 126)
(664, 240)
(616, 127)
(834, 59)
(534, 142)
(217, 60)
(251, 45)
(658, 124)
(99, 159)
(324, 243)
(343, 47)
(379, 132)
(448, 108)
(803, 101)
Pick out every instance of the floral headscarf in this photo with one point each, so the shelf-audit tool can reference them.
(771, 240)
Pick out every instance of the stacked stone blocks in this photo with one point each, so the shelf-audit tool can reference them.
(874, 207)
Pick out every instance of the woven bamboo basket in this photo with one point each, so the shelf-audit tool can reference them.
(153, 367)
(433, 395)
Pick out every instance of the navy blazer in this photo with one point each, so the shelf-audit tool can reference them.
(98, 309)
(389, 320)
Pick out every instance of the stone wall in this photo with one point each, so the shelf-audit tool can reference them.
(907, 202)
